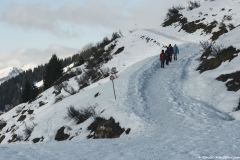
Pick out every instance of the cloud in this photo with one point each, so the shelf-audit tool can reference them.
(29, 56)
(112, 15)
(30, 16)
(61, 20)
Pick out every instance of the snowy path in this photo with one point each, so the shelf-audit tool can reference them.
(184, 125)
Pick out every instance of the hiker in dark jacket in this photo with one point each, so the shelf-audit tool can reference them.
(175, 51)
(162, 58)
(171, 52)
(167, 53)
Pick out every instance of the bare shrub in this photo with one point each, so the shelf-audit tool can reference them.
(104, 72)
(173, 10)
(31, 118)
(18, 110)
(114, 71)
(231, 26)
(216, 49)
(82, 81)
(59, 98)
(193, 4)
(91, 75)
(18, 138)
(68, 88)
(78, 71)
(131, 31)
(227, 17)
(57, 89)
(179, 7)
(41, 103)
(81, 115)
(222, 25)
(28, 131)
(205, 45)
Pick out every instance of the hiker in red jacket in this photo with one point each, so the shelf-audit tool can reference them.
(162, 58)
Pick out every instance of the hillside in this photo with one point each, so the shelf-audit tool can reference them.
(8, 73)
(185, 111)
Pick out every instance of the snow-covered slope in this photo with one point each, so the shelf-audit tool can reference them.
(174, 113)
(8, 73)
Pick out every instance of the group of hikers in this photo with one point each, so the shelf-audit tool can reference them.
(167, 55)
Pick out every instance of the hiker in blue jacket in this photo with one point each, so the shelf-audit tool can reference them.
(175, 51)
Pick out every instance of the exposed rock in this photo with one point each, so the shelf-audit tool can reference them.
(191, 27)
(2, 138)
(14, 136)
(233, 84)
(97, 94)
(226, 54)
(36, 140)
(14, 116)
(61, 136)
(21, 118)
(128, 131)
(41, 103)
(119, 50)
(238, 108)
(24, 111)
(102, 128)
(30, 111)
(2, 124)
(217, 34)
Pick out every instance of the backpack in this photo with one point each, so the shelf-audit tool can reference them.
(171, 49)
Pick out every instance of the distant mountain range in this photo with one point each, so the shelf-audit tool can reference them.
(8, 73)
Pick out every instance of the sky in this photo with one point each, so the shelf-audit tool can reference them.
(33, 30)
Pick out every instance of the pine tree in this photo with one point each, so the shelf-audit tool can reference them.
(115, 35)
(34, 92)
(26, 92)
(80, 61)
(53, 71)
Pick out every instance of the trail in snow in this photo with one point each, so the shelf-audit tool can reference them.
(184, 124)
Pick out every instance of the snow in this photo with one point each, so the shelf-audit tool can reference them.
(39, 84)
(8, 73)
(173, 112)
(29, 66)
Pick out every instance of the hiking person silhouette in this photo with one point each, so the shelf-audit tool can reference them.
(171, 52)
(175, 51)
(162, 58)
(167, 53)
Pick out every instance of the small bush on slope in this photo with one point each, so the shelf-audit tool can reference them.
(59, 98)
(193, 4)
(28, 131)
(81, 115)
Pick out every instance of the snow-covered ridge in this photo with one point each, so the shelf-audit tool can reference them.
(8, 73)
